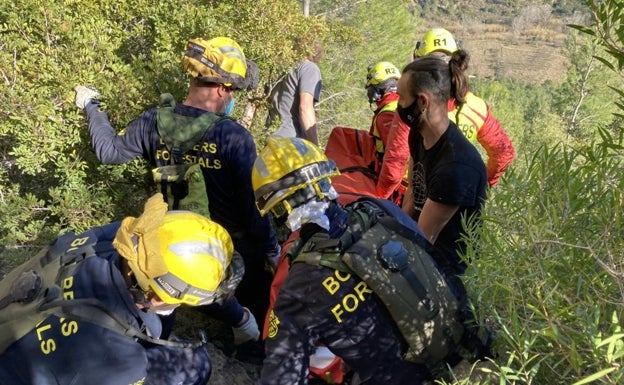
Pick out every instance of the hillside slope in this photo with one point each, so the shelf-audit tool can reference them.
(497, 53)
(522, 42)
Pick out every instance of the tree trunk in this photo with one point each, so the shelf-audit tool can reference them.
(306, 8)
(248, 115)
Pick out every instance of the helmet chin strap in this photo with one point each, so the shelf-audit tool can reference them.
(139, 297)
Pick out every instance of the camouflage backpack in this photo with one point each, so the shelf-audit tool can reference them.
(385, 248)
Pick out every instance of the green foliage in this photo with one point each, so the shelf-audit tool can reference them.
(131, 52)
(550, 248)
(371, 31)
(524, 110)
(548, 273)
(607, 30)
(585, 99)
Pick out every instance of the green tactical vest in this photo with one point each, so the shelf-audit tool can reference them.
(182, 184)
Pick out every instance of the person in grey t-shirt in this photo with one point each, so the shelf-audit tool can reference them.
(292, 101)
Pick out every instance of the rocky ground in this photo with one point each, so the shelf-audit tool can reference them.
(228, 370)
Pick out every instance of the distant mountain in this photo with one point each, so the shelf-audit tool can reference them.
(508, 39)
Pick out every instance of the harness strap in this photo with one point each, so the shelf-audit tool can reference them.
(364, 170)
(94, 311)
(318, 249)
(379, 145)
(27, 287)
(179, 189)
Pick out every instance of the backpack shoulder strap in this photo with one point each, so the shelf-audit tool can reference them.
(94, 311)
(179, 132)
(394, 218)
(316, 248)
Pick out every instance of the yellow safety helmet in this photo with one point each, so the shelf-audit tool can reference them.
(380, 72)
(197, 253)
(289, 172)
(436, 40)
(219, 60)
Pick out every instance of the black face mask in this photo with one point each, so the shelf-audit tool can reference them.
(410, 115)
(373, 94)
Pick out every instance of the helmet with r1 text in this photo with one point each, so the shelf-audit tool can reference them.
(435, 40)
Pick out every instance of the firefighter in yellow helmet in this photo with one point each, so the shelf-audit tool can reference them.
(114, 282)
(199, 134)
(436, 40)
(381, 89)
(292, 181)
(381, 81)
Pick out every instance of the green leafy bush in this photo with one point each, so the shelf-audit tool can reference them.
(547, 272)
(50, 179)
(548, 267)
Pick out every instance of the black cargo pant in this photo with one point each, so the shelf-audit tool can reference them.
(319, 304)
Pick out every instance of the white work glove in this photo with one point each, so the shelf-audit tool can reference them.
(84, 95)
(248, 331)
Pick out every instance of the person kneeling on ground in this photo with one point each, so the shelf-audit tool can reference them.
(322, 303)
(113, 283)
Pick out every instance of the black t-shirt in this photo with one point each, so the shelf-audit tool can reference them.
(451, 172)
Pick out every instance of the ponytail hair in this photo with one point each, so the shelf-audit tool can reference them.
(429, 74)
(458, 64)
(442, 76)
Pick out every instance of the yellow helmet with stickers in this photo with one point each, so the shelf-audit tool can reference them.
(436, 40)
(289, 172)
(197, 253)
(219, 60)
(380, 72)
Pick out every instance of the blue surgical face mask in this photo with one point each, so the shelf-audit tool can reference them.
(230, 107)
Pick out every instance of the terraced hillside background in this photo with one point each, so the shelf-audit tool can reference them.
(523, 40)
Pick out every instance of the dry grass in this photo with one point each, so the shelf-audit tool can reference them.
(496, 52)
